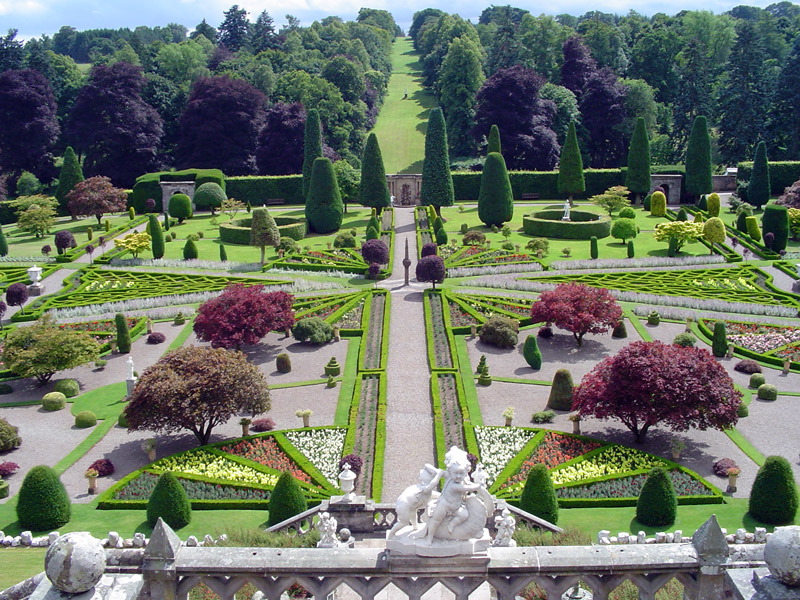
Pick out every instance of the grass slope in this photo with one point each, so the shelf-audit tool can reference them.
(402, 123)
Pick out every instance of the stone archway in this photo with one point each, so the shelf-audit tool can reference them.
(405, 188)
(168, 188)
(672, 185)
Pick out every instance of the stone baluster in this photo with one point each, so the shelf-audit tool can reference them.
(712, 553)
(158, 568)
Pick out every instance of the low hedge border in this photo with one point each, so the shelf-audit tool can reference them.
(347, 389)
(764, 359)
(438, 420)
(349, 304)
(380, 441)
(786, 267)
(237, 231)
(539, 224)
(75, 253)
(466, 307)
(468, 383)
(258, 189)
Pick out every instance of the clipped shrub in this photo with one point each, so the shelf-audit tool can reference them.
(288, 245)
(719, 345)
(658, 204)
(712, 205)
(702, 203)
(775, 221)
(324, 207)
(767, 391)
(313, 330)
(156, 236)
(156, 338)
(753, 230)
(123, 333)
(69, 387)
(131, 213)
(436, 224)
(657, 504)
(283, 363)
(743, 411)
(647, 202)
(42, 503)
(190, 250)
(473, 237)
(538, 244)
(721, 466)
(531, 352)
(682, 215)
(619, 331)
(627, 213)
(122, 420)
(545, 332)
(372, 233)
(53, 401)
(441, 237)
(748, 365)
(495, 198)
(344, 240)
(561, 391)
(686, 339)
(463, 229)
(539, 495)
(624, 229)
(286, 501)
(170, 502)
(85, 418)
(594, 251)
(180, 207)
(103, 466)
(262, 424)
(773, 498)
(9, 436)
(757, 380)
(223, 254)
(631, 249)
(429, 249)
(500, 332)
(543, 416)
(209, 195)
(653, 318)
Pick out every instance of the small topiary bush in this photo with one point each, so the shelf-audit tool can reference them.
(657, 505)
(42, 504)
(286, 501)
(441, 237)
(84, 419)
(180, 207)
(9, 436)
(262, 424)
(5, 389)
(344, 240)
(209, 195)
(653, 318)
(170, 502)
(69, 387)
(103, 466)
(54, 401)
(531, 352)
(757, 380)
(543, 416)
(545, 332)
(313, 330)
(190, 251)
(156, 338)
(747, 365)
(561, 391)
(773, 498)
(658, 204)
(619, 331)
(722, 465)
(122, 420)
(500, 332)
(288, 245)
(539, 495)
(473, 238)
(429, 249)
(743, 411)
(767, 391)
(538, 244)
(627, 213)
(283, 363)
(686, 339)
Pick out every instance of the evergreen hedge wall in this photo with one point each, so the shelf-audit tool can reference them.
(238, 230)
(258, 189)
(782, 174)
(467, 186)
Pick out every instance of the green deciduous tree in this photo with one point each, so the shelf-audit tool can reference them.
(373, 190)
(37, 219)
(495, 200)
(324, 208)
(623, 229)
(437, 183)
(637, 178)
(312, 147)
(615, 198)
(263, 231)
(759, 187)
(570, 167)
(460, 79)
(71, 174)
(680, 232)
(698, 159)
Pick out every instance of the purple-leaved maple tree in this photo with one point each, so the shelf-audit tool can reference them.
(577, 308)
(95, 197)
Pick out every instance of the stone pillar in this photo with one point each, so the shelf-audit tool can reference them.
(712, 553)
(158, 568)
(406, 263)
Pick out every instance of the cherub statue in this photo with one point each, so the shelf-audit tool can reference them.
(415, 497)
(450, 505)
(327, 530)
(506, 524)
(479, 476)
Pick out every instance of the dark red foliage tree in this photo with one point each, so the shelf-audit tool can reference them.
(3, 309)
(95, 197)
(28, 124)
(220, 126)
(17, 295)
(602, 107)
(578, 65)
(280, 143)
(64, 240)
(431, 269)
(243, 315)
(113, 126)
(375, 251)
(509, 99)
(577, 308)
(650, 383)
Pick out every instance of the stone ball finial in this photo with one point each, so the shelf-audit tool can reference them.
(75, 562)
(782, 555)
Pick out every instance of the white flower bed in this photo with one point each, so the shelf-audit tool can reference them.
(498, 445)
(765, 342)
(27, 259)
(213, 265)
(623, 263)
(323, 447)
(494, 269)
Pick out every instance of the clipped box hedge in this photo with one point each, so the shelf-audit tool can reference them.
(147, 185)
(782, 174)
(238, 230)
(582, 226)
(258, 189)
(467, 185)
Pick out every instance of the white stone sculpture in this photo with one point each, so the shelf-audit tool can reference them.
(506, 525)
(327, 531)
(415, 497)
(131, 374)
(566, 211)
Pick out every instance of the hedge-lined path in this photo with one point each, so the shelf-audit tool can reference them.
(51, 284)
(109, 245)
(409, 419)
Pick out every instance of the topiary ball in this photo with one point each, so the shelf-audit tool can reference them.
(69, 387)
(748, 365)
(627, 213)
(773, 498)
(84, 419)
(43, 504)
(54, 401)
(283, 363)
(686, 339)
(767, 391)
(500, 332)
(156, 338)
(286, 501)
(209, 195)
(313, 330)
(743, 411)
(657, 505)
(9, 436)
(757, 380)
(170, 502)
(122, 420)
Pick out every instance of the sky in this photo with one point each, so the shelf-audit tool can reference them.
(36, 17)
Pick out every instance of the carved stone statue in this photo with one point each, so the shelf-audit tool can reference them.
(327, 531)
(506, 524)
(415, 497)
(566, 211)
(131, 374)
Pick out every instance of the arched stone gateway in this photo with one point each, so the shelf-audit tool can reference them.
(405, 188)
(670, 183)
(168, 188)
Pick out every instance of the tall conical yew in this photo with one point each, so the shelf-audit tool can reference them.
(170, 502)
(312, 147)
(657, 504)
(324, 208)
(719, 344)
(637, 179)
(539, 495)
(561, 391)
(493, 141)
(373, 189)
(287, 500)
(437, 183)
(156, 235)
(43, 503)
(71, 174)
(698, 159)
(570, 166)
(495, 200)
(759, 186)
(123, 333)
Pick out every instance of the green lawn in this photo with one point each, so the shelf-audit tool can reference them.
(401, 124)
(22, 243)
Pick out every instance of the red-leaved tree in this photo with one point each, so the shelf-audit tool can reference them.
(577, 308)
(650, 383)
(243, 315)
(431, 269)
(95, 197)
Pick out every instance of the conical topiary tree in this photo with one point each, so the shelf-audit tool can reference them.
(3, 243)
(263, 231)
(43, 503)
(156, 235)
(773, 498)
(71, 173)
(698, 159)
(719, 344)
(759, 186)
(637, 180)
(657, 504)
(312, 147)
(776, 222)
(437, 183)
(493, 141)
(373, 189)
(561, 391)
(531, 352)
(123, 333)
(190, 251)
(324, 208)
(170, 502)
(539, 495)
(570, 166)
(495, 200)
(223, 254)
(286, 501)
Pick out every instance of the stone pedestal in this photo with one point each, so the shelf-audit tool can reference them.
(357, 515)
(35, 289)
(402, 544)
(130, 382)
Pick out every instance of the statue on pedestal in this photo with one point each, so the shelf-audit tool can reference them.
(566, 211)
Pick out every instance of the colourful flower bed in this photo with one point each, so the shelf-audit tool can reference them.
(758, 337)
(266, 451)
(323, 447)
(498, 445)
(107, 326)
(613, 460)
(352, 318)
(629, 487)
(459, 318)
(203, 463)
(142, 487)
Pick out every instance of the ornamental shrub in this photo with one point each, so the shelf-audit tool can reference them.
(64, 240)
(741, 222)
(752, 228)
(537, 244)
(719, 345)
(69, 387)
(539, 495)
(103, 466)
(759, 187)
(623, 229)
(209, 195)
(441, 237)
(769, 239)
(543, 416)
(531, 352)
(375, 251)
(288, 245)
(180, 207)
(286, 501)
(131, 213)
(626, 213)
(473, 238)
(657, 504)
(89, 233)
(594, 251)
(122, 420)
(773, 498)
(313, 330)
(223, 254)
(43, 503)
(324, 208)
(70, 175)
(493, 140)
(682, 215)
(712, 202)
(500, 332)
(190, 250)
(702, 203)
(767, 391)
(156, 236)
(429, 249)
(495, 199)
(757, 380)
(53, 401)
(9, 436)
(742, 411)
(344, 240)
(561, 391)
(85, 418)
(658, 204)
(464, 227)
(375, 224)
(686, 339)
(170, 502)
(156, 338)
(721, 466)
(8, 468)
(372, 233)
(631, 249)
(776, 222)
(262, 424)
(283, 363)
(748, 365)
(619, 331)
(647, 202)
(123, 333)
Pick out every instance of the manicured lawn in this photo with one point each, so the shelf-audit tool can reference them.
(22, 243)
(19, 564)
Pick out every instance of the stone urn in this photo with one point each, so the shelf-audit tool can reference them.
(91, 477)
(245, 423)
(733, 476)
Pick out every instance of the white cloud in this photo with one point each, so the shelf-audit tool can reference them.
(21, 7)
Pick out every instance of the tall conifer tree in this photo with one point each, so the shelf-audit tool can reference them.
(570, 167)
(759, 186)
(495, 200)
(698, 159)
(437, 183)
(638, 178)
(324, 206)
(71, 174)
(312, 147)
(373, 190)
